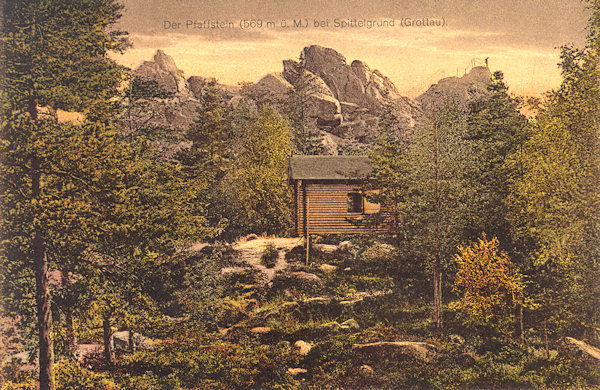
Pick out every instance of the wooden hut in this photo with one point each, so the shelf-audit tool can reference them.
(327, 194)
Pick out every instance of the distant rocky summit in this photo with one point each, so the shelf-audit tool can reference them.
(458, 90)
(345, 101)
(164, 71)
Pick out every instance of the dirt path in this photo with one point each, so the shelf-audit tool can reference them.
(251, 252)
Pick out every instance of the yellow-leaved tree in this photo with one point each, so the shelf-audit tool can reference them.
(490, 288)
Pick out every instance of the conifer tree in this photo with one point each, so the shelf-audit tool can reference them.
(54, 56)
(302, 115)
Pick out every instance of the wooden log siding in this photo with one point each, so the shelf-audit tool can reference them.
(327, 208)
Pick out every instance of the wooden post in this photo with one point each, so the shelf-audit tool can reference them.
(307, 249)
(307, 234)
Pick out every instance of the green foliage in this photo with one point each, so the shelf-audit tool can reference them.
(259, 178)
(197, 362)
(269, 256)
(55, 56)
(334, 351)
(71, 376)
(302, 116)
(301, 113)
(47, 58)
(12, 378)
(115, 216)
(556, 196)
(190, 284)
(207, 155)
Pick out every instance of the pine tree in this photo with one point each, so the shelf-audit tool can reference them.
(303, 117)
(495, 130)
(54, 56)
(208, 151)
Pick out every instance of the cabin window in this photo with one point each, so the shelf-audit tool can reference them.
(355, 202)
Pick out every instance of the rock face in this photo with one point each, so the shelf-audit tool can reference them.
(302, 347)
(178, 108)
(196, 85)
(120, 341)
(86, 350)
(350, 324)
(296, 371)
(331, 67)
(344, 100)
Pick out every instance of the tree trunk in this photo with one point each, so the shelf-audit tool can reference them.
(70, 332)
(44, 316)
(69, 329)
(546, 348)
(42, 296)
(437, 272)
(521, 330)
(106, 331)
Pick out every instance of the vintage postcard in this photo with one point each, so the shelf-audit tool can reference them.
(277, 194)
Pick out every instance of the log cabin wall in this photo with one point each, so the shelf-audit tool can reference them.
(322, 206)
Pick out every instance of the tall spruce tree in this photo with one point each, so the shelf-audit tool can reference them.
(495, 130)
(206, 158)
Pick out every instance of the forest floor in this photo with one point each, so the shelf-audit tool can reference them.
(353, 318)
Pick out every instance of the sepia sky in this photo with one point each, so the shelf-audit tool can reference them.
(520, 37)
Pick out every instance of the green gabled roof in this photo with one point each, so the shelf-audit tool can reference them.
(329, 167)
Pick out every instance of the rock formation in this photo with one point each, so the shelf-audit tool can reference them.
(163, 70)
(346, 100)
(343, 102)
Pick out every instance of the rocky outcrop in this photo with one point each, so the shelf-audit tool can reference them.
(163, 70)
(378, 87)
(415, 349)
(578, 348)
(119, 341)
(344, 101)
(303, 79)
(350, 325)
(340, 101)
(331, 67)
(457, 90)
(296, 371)
(272, 88)
(196, 85)
(302, 347)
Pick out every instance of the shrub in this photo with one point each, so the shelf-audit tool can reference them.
(491, 289)
(11, 378)
(71, 376)
(269, 256)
